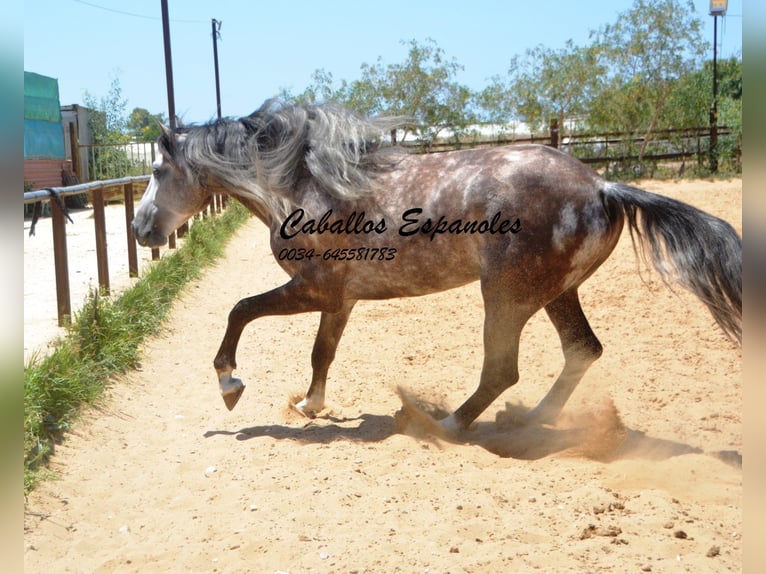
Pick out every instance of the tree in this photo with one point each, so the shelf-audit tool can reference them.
(730, 109)
(145, 126)
(729, 78)
(360, 95)
(106, 118)
(423, 89)
(647, 52)
(545, 84)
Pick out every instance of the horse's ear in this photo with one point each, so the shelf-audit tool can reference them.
(167, 141)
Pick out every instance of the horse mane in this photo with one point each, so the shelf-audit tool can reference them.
(270, 154)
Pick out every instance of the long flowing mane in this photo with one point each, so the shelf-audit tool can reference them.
(268, 154)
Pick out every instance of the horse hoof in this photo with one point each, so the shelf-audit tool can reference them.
(450, 427)
(306, 409)
(232, 394)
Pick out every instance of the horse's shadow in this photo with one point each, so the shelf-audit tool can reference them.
(603, 441)
(322, 430)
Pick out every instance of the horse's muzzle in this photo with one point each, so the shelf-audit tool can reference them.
(152, 238)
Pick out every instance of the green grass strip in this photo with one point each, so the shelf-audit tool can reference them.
(104, 340)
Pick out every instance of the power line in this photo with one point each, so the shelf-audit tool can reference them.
(134, 15)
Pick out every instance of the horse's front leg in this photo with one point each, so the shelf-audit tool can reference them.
(291, 298)
(331, 327)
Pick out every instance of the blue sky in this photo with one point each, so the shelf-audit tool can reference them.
(266, 46)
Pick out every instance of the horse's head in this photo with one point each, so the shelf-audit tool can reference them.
(174, 194)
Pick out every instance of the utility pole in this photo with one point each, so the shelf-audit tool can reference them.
(168, 65)
(171, 105)
(216, 32)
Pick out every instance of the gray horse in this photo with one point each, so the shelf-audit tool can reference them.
(352, 218)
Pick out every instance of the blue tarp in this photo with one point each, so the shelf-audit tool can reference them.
(43, 134)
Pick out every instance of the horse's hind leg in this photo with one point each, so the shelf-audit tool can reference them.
(502, 330)
(581, 348)
(331, 326)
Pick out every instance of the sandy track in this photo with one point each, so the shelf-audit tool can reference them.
(162, 478)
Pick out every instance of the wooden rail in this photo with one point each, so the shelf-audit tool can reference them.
(608, 142)
(58, 221)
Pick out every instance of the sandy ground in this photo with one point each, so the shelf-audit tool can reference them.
(162, 478)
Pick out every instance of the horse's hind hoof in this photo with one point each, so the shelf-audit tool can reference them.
(231, 398)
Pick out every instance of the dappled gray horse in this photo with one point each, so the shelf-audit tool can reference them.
(351, 218)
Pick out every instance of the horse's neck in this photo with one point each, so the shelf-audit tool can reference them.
(256, 208)
(253, 203)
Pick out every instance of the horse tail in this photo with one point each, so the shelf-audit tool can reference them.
(685, 245)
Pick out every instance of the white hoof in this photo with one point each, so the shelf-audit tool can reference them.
(230, 385)
(308, 408)
(450, 425)
(231, 390)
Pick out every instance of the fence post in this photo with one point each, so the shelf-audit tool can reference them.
(713, 140)
(554, 130)
(61, 264)
(102, 258)
(127, 192)
(74, 145)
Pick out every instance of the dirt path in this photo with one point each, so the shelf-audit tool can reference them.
(163, 479)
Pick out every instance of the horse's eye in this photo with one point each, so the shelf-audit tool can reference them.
(155, 171)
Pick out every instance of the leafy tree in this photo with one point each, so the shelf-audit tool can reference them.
(321, 89)
(545, 84)
(145, 126)
(647, 51)
(690, 102)
(643, 73)
(729, 77)
(107, 115)
(730, 110)
(496, 103)
(423, 89)
(106, 119)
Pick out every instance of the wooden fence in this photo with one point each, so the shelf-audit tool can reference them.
(98, 190)
(606, 149)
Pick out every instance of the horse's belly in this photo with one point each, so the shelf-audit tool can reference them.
(412, 277)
